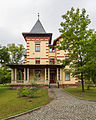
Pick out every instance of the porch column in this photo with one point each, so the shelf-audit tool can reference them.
(48, 74)
(21, 75)
(45, 75)
(60, 74)
(27, 74)
(12, 75)
(24, 75)
(15, 75)
(57, 74)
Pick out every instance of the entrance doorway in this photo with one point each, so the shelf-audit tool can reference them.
(53, 75)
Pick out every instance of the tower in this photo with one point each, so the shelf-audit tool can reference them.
(37, 41)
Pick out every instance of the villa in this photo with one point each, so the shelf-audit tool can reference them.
(41, 65)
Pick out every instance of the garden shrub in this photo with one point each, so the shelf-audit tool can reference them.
(25, 92)
(28, 92)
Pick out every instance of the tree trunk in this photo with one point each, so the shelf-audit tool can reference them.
(82, 82)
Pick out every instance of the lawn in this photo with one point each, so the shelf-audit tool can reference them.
(88, 94)
(11, 104)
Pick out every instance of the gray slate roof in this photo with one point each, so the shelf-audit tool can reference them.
(38, 28)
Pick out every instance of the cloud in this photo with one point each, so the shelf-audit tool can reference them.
(17, 16)
(8, 37)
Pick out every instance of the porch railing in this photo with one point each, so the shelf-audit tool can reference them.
(17, 81)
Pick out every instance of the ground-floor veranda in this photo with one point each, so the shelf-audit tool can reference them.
(39, 74)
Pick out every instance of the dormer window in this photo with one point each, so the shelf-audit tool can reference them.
(37, 47)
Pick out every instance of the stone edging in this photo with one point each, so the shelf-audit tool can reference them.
(78, 97)
(22, 114)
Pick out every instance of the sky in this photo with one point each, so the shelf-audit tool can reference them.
(17, 16)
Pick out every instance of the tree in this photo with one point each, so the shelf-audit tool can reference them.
(16, 53)
(9, 55)
(90, 66)
(75, 34)
(5, 75)
(4, 55)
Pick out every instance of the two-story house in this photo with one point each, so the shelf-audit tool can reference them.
(41, 65)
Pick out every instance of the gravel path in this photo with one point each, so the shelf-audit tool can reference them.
(63, 107)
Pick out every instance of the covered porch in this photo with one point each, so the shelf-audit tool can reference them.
(26, 74)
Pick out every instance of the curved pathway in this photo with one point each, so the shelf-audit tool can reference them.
(63, 107)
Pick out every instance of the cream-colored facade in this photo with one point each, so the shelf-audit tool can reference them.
(41, 64)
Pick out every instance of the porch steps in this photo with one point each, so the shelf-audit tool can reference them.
(53, 85)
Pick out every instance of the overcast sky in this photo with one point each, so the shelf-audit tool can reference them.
(17, 16)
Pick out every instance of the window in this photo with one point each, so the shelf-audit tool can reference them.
(51, 49)
(37, 47)
(66, 56)
(52, 61)
(67, 76)
(37, 75)
(37, 61)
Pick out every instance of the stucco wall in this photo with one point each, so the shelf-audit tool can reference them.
(44, 56)
(44, 50)
(60, 54)
(71, 81)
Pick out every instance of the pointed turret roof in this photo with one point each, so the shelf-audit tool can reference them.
(37, 31)
(38, 28)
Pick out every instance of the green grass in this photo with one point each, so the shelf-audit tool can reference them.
(88, 94)
(10, 104)
(5, 85)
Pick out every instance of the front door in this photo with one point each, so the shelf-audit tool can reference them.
(53, 76)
